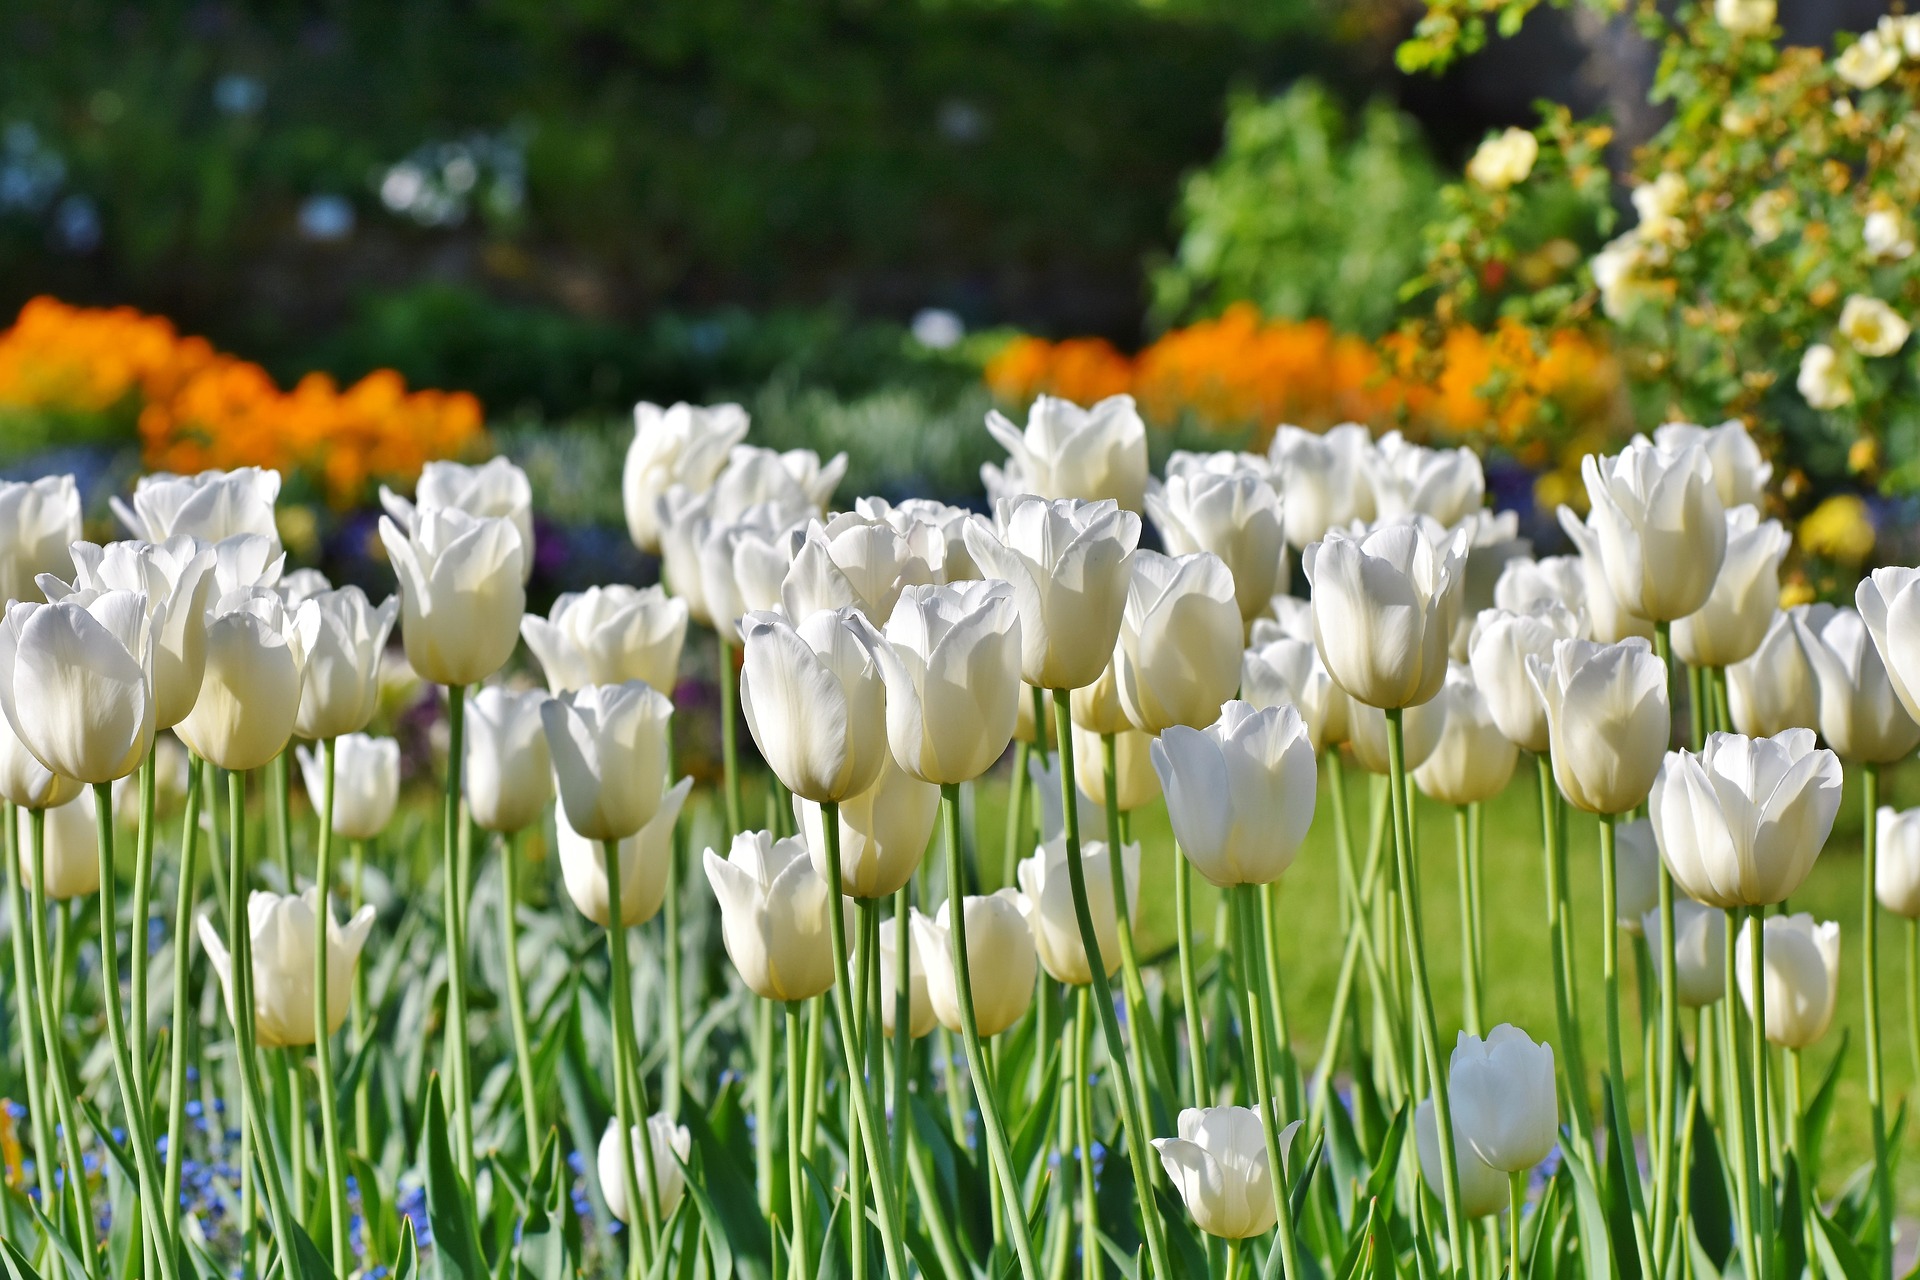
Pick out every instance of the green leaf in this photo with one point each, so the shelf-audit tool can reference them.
(406, 1258)
(18, 1268)
(1387, 1164)
(379, 1224)
(732, 1199)
(456, 1234)
(1712, 1207)
(1820, 1109)
(711, 1222)
(1303, 1183)
(1596, 1244)
(1839, 1256)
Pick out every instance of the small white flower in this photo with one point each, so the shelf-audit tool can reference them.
(1506, 159)
(1822, 382)
(1867, 61)
(1886, 235)
(1745, 17)
(1873, 327)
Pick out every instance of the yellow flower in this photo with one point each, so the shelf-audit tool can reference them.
(1838, 529)
(1873, 327)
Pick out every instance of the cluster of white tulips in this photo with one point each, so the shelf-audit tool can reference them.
(885, 658)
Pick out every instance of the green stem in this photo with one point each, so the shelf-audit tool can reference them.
(1913, 994)
(137, 932)
(729, 736)
(1083, 1132)
(1190, 979)
(1248, 906)
(630, 1106)
(1759, 1144)
(796, 1173)
(902, 1033)
(1616, 1072)
(1738, 1103)
(1133, 991)
(60, 1070)
(322, 1034)
(1016, 814)
(516, 991)
(672, 1086)
(1667, 1174)
(453, 894)
(182, 971)
(1469, 958)
(1292, 1104)
(41, 1114)
(1573, 1069)
(763, 1105)
(1797, 1140)
(1516, 1200)
(362, 1093)
(1870, 968)
(1233, 1260)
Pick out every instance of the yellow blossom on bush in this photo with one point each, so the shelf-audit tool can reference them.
(1840, 528)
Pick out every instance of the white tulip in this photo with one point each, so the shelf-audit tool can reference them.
(1661, 528)
(366, 783)
(1860, 716)
(1504, 1104)
(176, 577)
(1384, 609)
(1002, 962)
(935, 531)
(301, 585)
(744, 562)
(347, 637)
(683, 445)
(39, 521)
(1775, 689)
(212, 506)
(1740, 470)
(1420, 730)
(461, 593)
(796, 482)
(1324, 478)
(255, 673)
(24, 781)
(1608, 620)
(815, 701)
(609, 635)
(773, 915)
(883, 832)
(609, 746)
(1889, 604)
(1500, 644)
(508, 777)
(672, 1147)
(1483, 1188)
(1896, 879)
(1410, 479)
(1493, 542)
(70, 848)
(249, 562)
(283, 929)
(1800, 963)
(1287, 671)
(1178, 656)
(920, 1019)
(1699, 951)
(1096, 707)
(1473, 760)
(1223, 1169)
(1525, 584)
(1636, 873)
(850, 563)
(76, 682)
(1049, 900)
(1070, 452)
(1135, 782)
(1240, 794)
(1608, 720)
(497, 489)
(646, 856)
(1745, 597)
(1235, 516)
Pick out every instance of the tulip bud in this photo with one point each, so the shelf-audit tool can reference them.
(302, 585)
(935, 531)
(951, 661)
(1744, 599)
(24, 781)
(1607, 718)
(1240, 793)
(1889, 603)
(920, 1017)
(609, 635)
(176, 577)
(645, 858)
(1096, 707)
(1741, 823)
(1636, 873)
(883, 832)
(248, 562)
(672, 1147)
(1420, 730)
(1860, 717)
(815, 701)
(508, 777)
(851, 562)
(1801, 965)
(76, 682)
(1661, 529)
(283, 928)
(1324, 478)
(70, 848)
(773, 915)
(1483, 1188)
(1493, 542)
(1896, 876)
(256, 669)
(1070, 452)
(1049, 903)
(683, 445)
(1384, 608)
(1287, 671)
(1504, 1102)
(497, 489)
(1526, 584)
(1699, 951)
(1001, 962)
(212, 505)
(1609, 621)
(1498, 650)
(1740, 470)
(1412, 480)
(1472, 760)
(686, 524)
(461, 593)
(39, 521)
(342, 689)
(1223, 1169)
(796, 482)
(1235, 516)
(609, 745)
(1070, 564)
(366, 783)
(1135, 782)
(744, 562)
(1179, 648)
(1775, 689)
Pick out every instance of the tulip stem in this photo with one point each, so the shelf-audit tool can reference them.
(1870, 951)
(1797, 1143)
(1573, 1064)
(182, 971)
(630, 1107)
(1016, 814)
(1667, 1172)
(1516, 1200)
(1233, 1260)
(763, 1105)
(137, 931)
(1190, 978)
(1913, 994)
(673, 1083)
(1359, 890)
(729, 734)
(1259, 1032)
(60, 1071)
(902, 1034)
(516, 990)
(1469, 944)
(1739, 1105)
(453, 895)
(796, 1173)
(41, 1115)
(362, 1095)
(1082, 1103)
(999, 1152)
(323, 1020)
(1424, 1011)
(1133, 991)
(1616, 1072)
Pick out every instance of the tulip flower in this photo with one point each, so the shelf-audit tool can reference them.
(609, 745)
(920, 1019)
(302, 585)
(1860, 716)
(1001, 961)
(883, 832)
(1178, 656)
(1384, 608)
(76, 682)
(366, 783)
(671, 1146)
(1889, 604)
(1493, 542)
(1408, 479)
(1498, 650)
(24, 781)
(683, 445)
(1135, 782)
(1505, 1107)
(248, 562)
(686, 523)
(1801, 964)
(1699, 951)
(348, 635)
(646, 856)
(744, 563)
(1608, 619)
(1096, 707)
(1636, 861)
(39, 522)
(1660, 527)
(1472, 760)
(1745, 597)
(1240, 793)
(1420, 726)
(255, 673)
(1741, 823)
(1525, 584)
(1483, 1188)
(815, 702)
(1607, 718)
(934, 530)
(850, 563)
(1740, 470)
(497, 489)
(509, 772)
(1286, 671)
(461, 592)
(1070, 564)
(1776, 688)
(773, 915)
(1222, 1168)
(1049, 901)
(176, 577)
(1070, 452)
(282, 929)
(609, 635)
(1896, 880)
(795, 481)
(212, 506)
(1325, 479)
(1235, 516)
(70, 848)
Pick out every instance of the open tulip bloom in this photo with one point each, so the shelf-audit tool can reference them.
(1384, 609)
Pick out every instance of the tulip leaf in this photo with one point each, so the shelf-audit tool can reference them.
(1839, 1255)
(18, 1268)
(1621, 1165)
(1303, 1181)
(456, 1235)
(378, 1222)
(1123, 1260)
(1596, 1245)
(1387, 1164)
(542, 1252)
(832, 1263)
(731, 1208)
(58, 1240)
(1356, 1254)
(1712, 1207)
(406, 1258)
(1820, 1109)
(711, 1221)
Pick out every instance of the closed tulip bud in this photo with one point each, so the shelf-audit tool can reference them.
(815, 701)
(1896, 877)
(366, 783)
(1483, 1188)
(1608, 620)
(744, 563)
(920, 1019)
(883, 832)
(39, 521)
(683, 445)
(773, 915)
(1049, 902)
(1889, 604)
(1504, 1104)
(1741, 823)
(212, 505)
(1235, 516)
(1324, 479)
(508, 777)
(176, 577)
(76, 682)
(1473, 760)
(1001, 961)
(256, 669)
(1661, 527)
(1493, 542)
(1287, 671)
(1070, 452)
(1498, 649)
(609, 745)
(283, 929)
(1070, 564)
(1222, 1168)
(1413, 480)
(1608, 720)
(1135, 782)
(686, 524)
(461, 593)
(342, 689)
(795, 481)
(1178, 656)
(1384, 609)
(1860, 717)
(497, 489)
(935, 531)
(1740, 470)
(672, 1146)
(1745, 597)
(1420, 730)
(1096, 707)
(850, 563)
(249, 562)
(1240, 793)
(1023, 724)
(70, 848)
(1526, 584)
(1800, 961)
(645, 858)
(1699, 950)
(1775, 689)
(1636, 871)
(609, 635)
(24, 781)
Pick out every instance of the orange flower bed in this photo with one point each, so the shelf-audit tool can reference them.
(197, 407)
